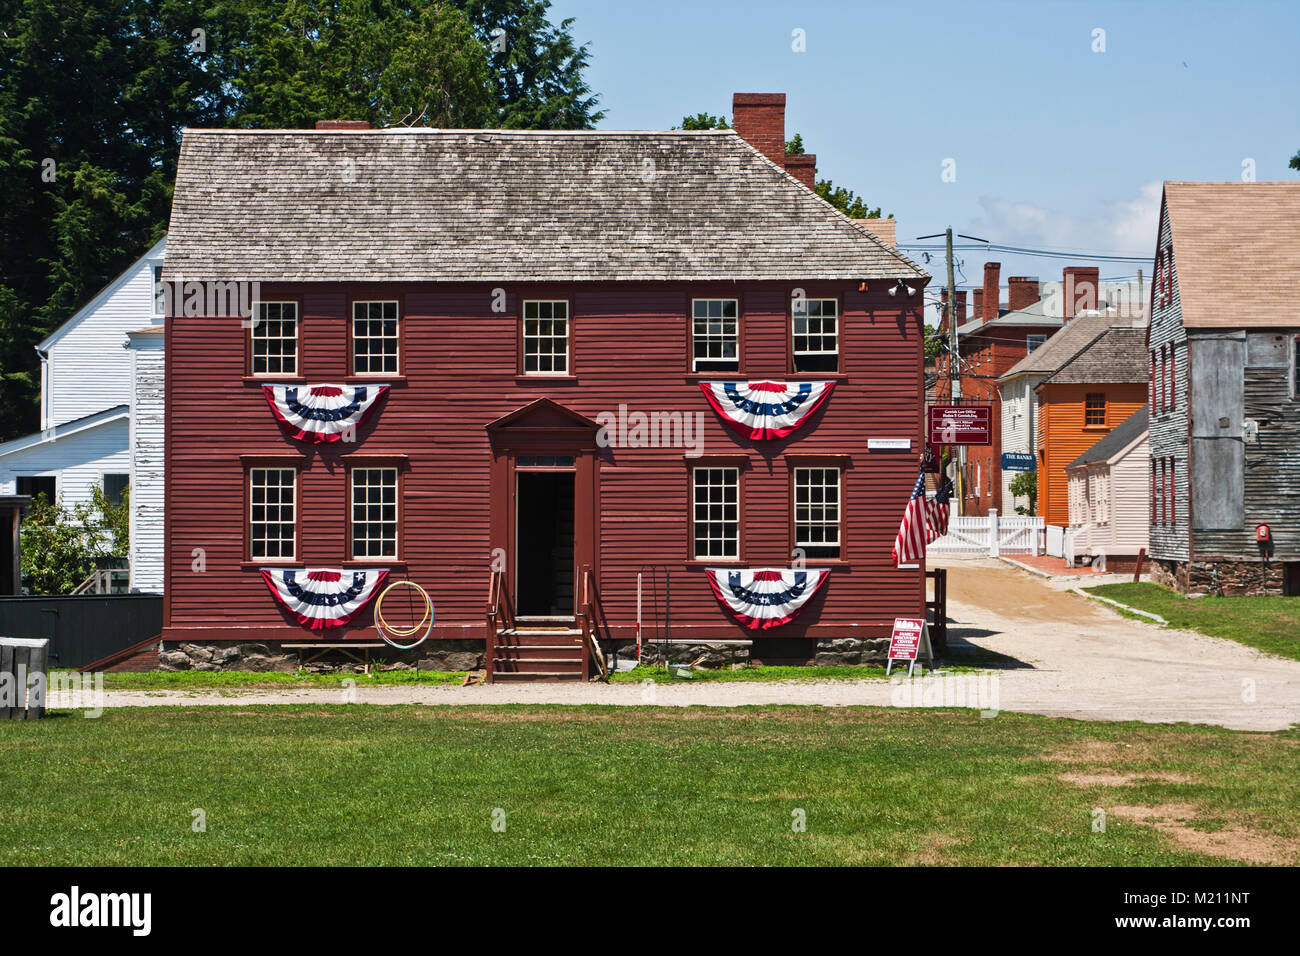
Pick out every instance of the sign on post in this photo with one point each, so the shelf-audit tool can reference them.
(1017, 461)
(911, 638)
(960, 425)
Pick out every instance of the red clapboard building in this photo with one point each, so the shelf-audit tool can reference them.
(526, 370)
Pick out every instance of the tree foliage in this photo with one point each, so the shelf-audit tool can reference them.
(94, 94)
(1025, 485)
(60, 546)
(1295, 160)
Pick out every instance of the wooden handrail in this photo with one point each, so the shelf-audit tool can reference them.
(588, 615)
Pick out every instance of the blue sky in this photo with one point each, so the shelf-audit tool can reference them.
(1055, 146)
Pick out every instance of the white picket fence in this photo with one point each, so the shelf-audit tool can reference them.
(991, 535)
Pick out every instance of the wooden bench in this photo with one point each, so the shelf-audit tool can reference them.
(317, 650)
(24, 680)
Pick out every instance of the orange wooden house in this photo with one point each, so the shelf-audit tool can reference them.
(1093, 391)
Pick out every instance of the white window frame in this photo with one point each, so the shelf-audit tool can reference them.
(395, 338)
(823, 523)
(155, 277)
(265, 523)
(710, 523)
(721, 337)
(260, 323)
(821, 335)
(524, 337)
(1029, 347)
(369, 553)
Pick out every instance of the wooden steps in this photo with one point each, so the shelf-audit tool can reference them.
(538, 654)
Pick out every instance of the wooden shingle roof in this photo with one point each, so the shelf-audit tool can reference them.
(1236, 252)
(1117, 357)
(504, 205)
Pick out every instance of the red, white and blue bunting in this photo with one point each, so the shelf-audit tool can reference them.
(766, 410)
(321, 598)
(765, 597)
(318, 413)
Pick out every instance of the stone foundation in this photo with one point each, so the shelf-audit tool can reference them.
(454, 655)
(1220, 578)
(831, 652)
(852, 650)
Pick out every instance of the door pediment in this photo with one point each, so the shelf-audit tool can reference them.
(545, 415)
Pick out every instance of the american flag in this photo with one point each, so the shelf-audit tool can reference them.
(936, 513)
(909, 546)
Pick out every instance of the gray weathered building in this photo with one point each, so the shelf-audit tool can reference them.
(1225, 408)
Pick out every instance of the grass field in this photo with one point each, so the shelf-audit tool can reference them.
(1270, 624)
(421, 785)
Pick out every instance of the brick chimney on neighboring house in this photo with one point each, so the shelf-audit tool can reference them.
(759, 119)
(1079, 289)
(1022, 292)
(943, 307)
(977, 303)
(342, 124)
(992, 295)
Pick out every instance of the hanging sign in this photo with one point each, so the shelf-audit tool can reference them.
(1017, 461)
(961, 425)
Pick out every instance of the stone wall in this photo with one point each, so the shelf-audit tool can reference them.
(1226, 578)
(454, 655)
(827, 653)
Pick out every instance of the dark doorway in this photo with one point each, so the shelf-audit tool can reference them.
(544, 544)
(1291, 581)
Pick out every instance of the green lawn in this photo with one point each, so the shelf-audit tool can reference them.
(214, 680)
(614, 785)
(1271, 624)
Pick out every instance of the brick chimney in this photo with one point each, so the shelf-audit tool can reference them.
(342, 124)
(992, 294)
(943, 307)
(1022, 292)
(759, 119)
(802, 166)
(1079, 290)
(977, 303)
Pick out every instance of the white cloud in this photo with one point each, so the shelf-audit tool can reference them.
(1125, 226)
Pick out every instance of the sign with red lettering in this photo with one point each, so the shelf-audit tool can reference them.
(961, 425)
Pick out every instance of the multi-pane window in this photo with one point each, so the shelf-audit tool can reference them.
(817, 511)
(374, 338)
(1094, 409)
(272, 512)
(1033, 341)
(159, 294)
(715, 504)
(275, 338)
(115, 486)
(546, 337)
(374, 512)
(715, 345)
(816, 333)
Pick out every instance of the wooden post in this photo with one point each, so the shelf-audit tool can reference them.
(1142, 552)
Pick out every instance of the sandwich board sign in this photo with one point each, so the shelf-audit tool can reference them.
(910, 639)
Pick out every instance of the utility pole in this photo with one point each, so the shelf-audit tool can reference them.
(954, 354)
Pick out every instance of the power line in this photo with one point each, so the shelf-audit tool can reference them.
(1024, 251)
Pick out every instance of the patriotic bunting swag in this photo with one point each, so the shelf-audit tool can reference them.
(318, 413)
(766, 597)
(322, 598)
(766, 410)
(923, 522)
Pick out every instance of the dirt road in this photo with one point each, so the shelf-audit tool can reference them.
(1052, 653)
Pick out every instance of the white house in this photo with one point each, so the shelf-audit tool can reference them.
(101, 412)
(1109, 495)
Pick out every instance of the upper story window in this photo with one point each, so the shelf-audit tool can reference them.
(374, 512)
(546, 337)
(715, 512)
(715, 338)
(115, 486)
(816, 335)
(1094, 409)
(274, 338)
(374, 338)
(1033, 341)
(272, 513)
(817, 511)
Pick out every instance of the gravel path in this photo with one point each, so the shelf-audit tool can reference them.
(1061, 655)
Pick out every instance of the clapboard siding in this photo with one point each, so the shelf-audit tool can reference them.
(78, 461)
(1066, 437)
(629, 345)
(1131, 500)
(88, 369)
(1169, 428)
(1271, 481)
(148, 463)
(1017, 431)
